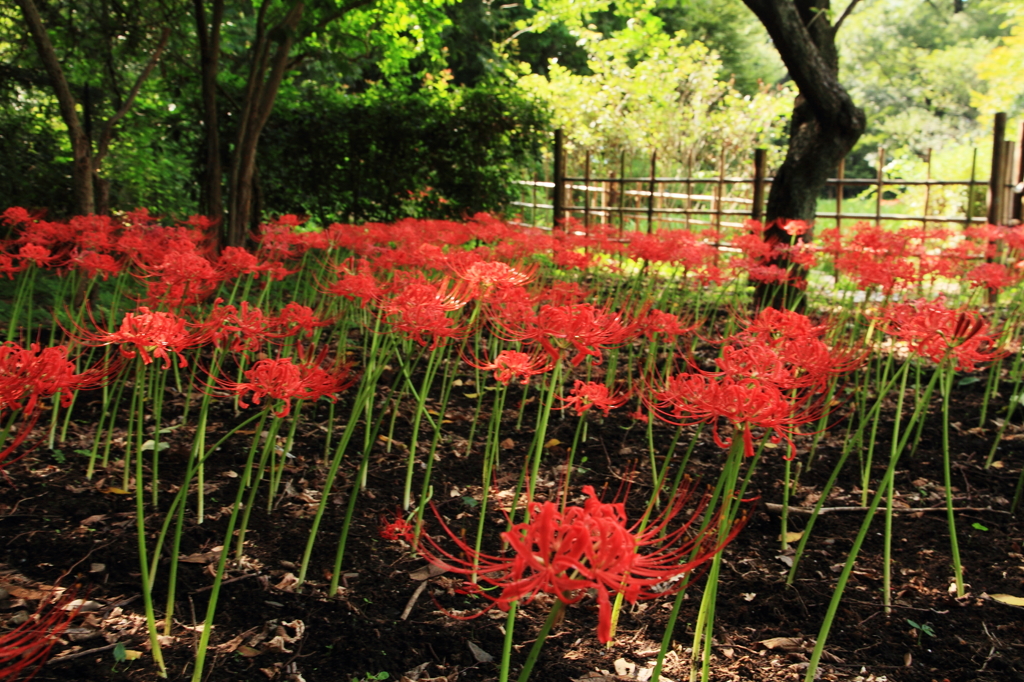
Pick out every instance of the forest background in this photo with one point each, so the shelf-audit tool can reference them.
(374, 110)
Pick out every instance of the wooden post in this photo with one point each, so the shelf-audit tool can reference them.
(650, 195)
(689, 189)
(970, 188)
(995, 191)
(927, 189)
(1006, 185)
(760, 161)
(839, 194)
(719, 191)
(880, 186)
(622, 189)
(558, 201)
(1018, 177)
(586, 194)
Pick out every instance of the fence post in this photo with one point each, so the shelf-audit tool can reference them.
(995, 190)
(650, 196)
(1017, 210)
(760, 161)
(1006, 185)
(558, 201)
(586, 194)
(839, 193)
(880, 186)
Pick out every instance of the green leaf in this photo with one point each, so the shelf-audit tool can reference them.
(967, 381)
(978, 526)
(119, 653)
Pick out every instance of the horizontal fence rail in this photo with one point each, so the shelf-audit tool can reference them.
(723, 201)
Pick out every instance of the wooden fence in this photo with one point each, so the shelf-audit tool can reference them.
(654, 201)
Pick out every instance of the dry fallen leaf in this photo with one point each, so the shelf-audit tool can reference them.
(1007, 599)
(784, 643)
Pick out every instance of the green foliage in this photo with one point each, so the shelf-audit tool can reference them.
(389, 154)
(913, 67)
(36, 172)
(649, 90)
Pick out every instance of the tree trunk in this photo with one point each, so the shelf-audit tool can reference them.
(212, 197)
(81, 172)
(264, 82)
(825, 124)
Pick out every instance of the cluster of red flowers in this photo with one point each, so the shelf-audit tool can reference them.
(566, 552)
(770, 375)
(934, 331)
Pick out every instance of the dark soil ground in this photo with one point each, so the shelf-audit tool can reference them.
(54, 522)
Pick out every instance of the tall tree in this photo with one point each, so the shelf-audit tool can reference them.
(825, 124)
(90, 189)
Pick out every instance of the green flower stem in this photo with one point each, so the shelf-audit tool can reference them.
(704, 628)
(435, 360)
(367, 387)
(538, 644)
(211, 608)
(140, 518)
(899, 443)
(506, 647)
(949, 371)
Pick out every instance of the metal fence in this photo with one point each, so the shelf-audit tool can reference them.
(652, 202)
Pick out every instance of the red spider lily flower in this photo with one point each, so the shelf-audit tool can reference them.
(33, 374)
(755, 361)
(8, 266)
(584, 327)
(585, 395)
(25, 649)
(235, 261)
(993, 276)
(420, 309)
(182, 277)
(566, 553)
(40, 256)
(247, 328)
(512, 364)
(30, 374)
(484, 275)
(936, 332)
(656, 321)
(92, 263)
(285, 380)
(794, 228)
(772, 326)
(356, 282)
(397, 528)
(296, 318)
(745, 402)
(149, 335)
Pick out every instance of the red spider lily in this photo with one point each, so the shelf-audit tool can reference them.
(286, 380)
(512, 364)
(584, 327)
(296, 318)
(585, 395)
(420, 309)
(26, 648)
(484, 275)
(182, 277)
(936, 332)
(794, 228)
(8, 266)
(397, 528)
(993, 276)
(33, 374)
(235, 261)
(356, 282)
(772, 325)
(92, 263)
(40, 256)
(656, 321)
(247, 327)
(149, 335)
(566, 553)
(745, 402)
